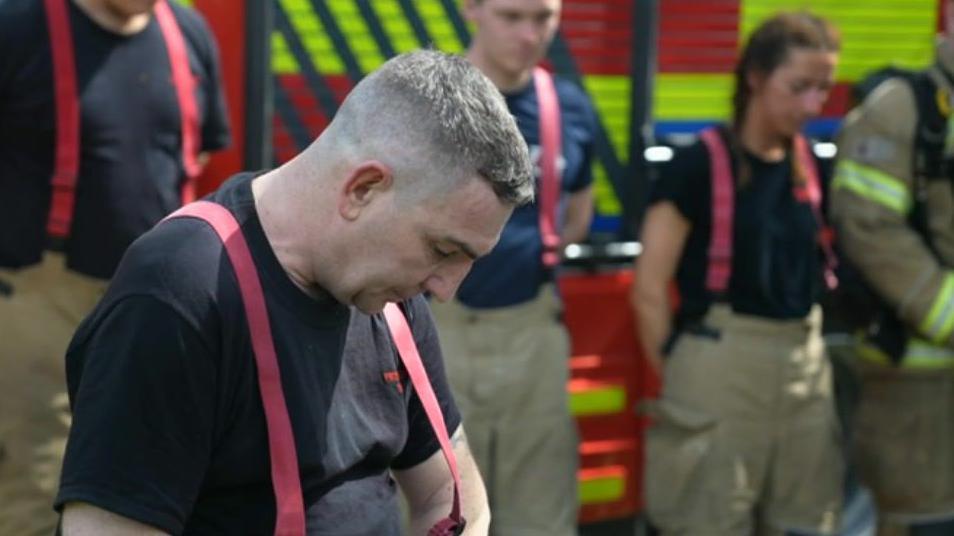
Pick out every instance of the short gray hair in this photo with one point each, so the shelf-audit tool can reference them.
(448, 113)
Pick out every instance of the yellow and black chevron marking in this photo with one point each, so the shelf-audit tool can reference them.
(320, 48)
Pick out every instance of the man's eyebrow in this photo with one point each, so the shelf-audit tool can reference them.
(467, 250)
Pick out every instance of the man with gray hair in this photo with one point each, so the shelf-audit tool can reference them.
(412, 181)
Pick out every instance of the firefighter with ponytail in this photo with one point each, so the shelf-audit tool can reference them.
(745, 433)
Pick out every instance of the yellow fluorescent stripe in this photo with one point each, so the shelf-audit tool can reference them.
(858, 185)
(872, 184)
(601, 490)
(598, 401)
(313, 36)
(395, 24)
(873, 34)
(873, 354)
(356, 33)
(283, 62)
(927, 350)
(925, 363)
(940, 320)
(920, 355)
(696, 97)
(438, 26)
(611, 97)
(604, 196)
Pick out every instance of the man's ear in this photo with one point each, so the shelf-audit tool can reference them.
(367, 181)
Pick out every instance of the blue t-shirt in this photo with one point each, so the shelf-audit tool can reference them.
(513, 272)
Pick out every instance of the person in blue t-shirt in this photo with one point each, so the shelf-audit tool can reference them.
(506, 348)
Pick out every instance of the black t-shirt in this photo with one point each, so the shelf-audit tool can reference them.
(130, 137)
(168, 426)
(776, 262)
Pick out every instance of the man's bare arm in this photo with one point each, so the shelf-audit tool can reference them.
(83, 519)
(429, 490)
(578, 216)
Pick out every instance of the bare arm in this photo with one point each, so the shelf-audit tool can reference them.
(663, 237)
(83, 519)
(429, 490)
(578, 216)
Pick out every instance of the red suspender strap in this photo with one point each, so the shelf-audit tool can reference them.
(723, 200)
(66, 97)
(550, 146)
(401, 333)
(281, 440)
(184, 83)
(723, 209)
(290, 520)
(810, 192)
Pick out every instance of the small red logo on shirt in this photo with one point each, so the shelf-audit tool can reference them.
(393, 376)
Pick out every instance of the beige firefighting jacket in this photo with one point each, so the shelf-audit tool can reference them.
(871, 197)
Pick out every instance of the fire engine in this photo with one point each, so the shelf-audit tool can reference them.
(657, 71)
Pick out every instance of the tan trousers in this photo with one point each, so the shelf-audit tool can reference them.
(508, 369)
(904, 441)
(37, 320)
(745, 438)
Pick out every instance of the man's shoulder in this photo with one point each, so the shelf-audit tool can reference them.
(576, 107)
(187, 16)
(20, 20)
(19, 11)
(570, 94)
(168, 277)
(193, 26)
(891, 108)
(177, 260)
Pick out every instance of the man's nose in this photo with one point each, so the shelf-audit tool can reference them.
(530, 32)
(443, 284)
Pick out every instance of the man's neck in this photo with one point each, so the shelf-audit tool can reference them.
(506, 82)
(110, 20)
(274, 207)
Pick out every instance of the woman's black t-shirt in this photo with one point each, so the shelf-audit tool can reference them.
(776, 262)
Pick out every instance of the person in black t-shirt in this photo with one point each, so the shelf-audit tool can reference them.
(745, 432)
(410, 183)
(130, 175)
